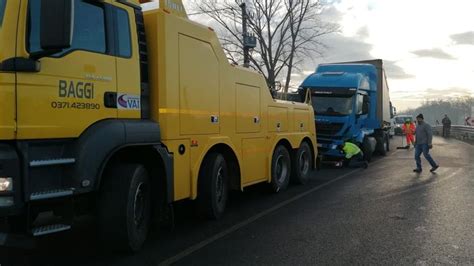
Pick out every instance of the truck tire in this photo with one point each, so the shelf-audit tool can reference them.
(302, 162)
(213, 188)
(281, 169)
(388, 141)
(382, 144)
(367, 150)
(124, 208)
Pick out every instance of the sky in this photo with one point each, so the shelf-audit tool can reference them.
(427, 45)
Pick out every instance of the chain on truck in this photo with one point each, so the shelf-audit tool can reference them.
(111, 111)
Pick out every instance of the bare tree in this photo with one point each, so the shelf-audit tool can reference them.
(287, 31)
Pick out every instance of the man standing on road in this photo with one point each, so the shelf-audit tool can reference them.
(446, 126)
(423, 144)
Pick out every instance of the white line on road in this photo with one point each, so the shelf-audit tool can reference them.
(250, 220)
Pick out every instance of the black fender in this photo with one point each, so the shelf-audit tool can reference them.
(98, 144)
(90, 153)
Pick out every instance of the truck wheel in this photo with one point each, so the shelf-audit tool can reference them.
(367, 150)
(213, 186)
(124, 208)
(302, 161)
(281, 169)
(382, 144)
(388, 142)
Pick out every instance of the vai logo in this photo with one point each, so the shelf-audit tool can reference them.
(128, 102)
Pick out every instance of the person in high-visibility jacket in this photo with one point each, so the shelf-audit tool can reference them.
(354, 155)
(409, 131)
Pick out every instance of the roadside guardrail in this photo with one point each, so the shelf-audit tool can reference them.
(459, 132)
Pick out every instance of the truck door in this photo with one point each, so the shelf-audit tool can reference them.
(8, 28)
(71, 89)
(128, 68)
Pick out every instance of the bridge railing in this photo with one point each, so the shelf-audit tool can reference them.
(459, 132)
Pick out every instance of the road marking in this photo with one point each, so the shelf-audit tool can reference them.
(238, 226)
(252, 219)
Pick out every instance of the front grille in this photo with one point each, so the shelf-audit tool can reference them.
(328, 129)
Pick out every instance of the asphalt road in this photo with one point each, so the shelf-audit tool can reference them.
(383, 215)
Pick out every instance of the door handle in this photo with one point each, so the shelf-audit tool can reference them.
(110, 99)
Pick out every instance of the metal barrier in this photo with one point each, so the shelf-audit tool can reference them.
(459, 132)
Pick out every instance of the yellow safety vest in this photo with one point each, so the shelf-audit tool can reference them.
(350, 149)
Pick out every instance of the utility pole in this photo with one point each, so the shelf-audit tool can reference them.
(249, 41)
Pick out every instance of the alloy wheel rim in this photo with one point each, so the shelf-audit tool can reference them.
(304, 162)
(281, 169)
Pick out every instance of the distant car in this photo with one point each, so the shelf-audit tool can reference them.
(397, 122)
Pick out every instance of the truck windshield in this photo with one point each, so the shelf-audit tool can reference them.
(3, 3)
(401, 120)
(332, 105)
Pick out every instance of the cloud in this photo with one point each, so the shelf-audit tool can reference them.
(395, 72)
(452, 92)
(339, 48)
(433, 53)
(342, 48)
(463, 38)
(434, 94)
(363, 32)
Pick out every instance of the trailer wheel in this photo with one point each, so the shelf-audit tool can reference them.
(213, 186)
(366, 149)
(124, 208)
(302, 161)
(281, 169)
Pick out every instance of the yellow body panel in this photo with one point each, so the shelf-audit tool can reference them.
(254, 161)
(247, 101)
(278, 119)
(8, 31)
(193, 83)
(198, 87)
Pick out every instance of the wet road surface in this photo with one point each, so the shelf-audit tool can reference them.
(383, 215)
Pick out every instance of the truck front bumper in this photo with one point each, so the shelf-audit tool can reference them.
(328, 148)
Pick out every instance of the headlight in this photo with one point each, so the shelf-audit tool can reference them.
(6, 184)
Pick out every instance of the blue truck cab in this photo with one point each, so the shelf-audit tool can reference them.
(351, 103)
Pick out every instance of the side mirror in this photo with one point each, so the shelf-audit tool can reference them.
(56, 24)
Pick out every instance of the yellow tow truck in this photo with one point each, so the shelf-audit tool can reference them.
(109, 110)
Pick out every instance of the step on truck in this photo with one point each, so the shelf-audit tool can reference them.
(352, 103)
(115, 112)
